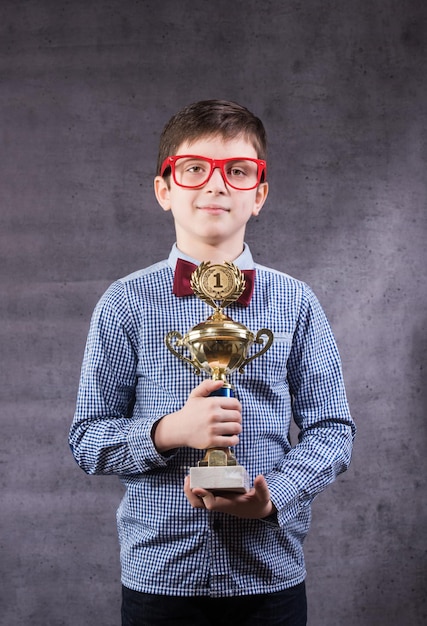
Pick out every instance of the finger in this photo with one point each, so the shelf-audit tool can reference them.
(204, 496)
(208, 500)
(230, 418)
(197, 496)
(226, 426)
(195, 501)
(200, 493)
(206, 388)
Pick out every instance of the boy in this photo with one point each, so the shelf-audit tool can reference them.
(195, 557)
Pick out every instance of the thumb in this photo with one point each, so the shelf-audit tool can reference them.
(206, 388)
(261, 488)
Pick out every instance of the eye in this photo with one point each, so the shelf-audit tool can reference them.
(237, 171)
(196, 168)
(188, 169)
(193, 167)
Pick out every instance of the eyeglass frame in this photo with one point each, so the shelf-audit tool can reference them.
(214, 163)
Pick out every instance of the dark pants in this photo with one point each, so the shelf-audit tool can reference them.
(286, 608)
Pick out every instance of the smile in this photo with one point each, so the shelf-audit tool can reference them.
(214, 209)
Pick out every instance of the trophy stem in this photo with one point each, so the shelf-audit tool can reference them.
(215, 457)
(218, 374)
(218, 456)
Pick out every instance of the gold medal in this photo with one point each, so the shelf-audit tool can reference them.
(222, 283)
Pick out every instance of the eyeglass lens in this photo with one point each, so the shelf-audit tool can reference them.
(195, 172)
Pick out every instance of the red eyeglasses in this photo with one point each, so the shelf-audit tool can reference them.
(191, 171)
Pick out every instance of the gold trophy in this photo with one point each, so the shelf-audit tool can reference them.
(219, 346)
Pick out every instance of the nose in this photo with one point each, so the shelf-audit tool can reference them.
(216, 182)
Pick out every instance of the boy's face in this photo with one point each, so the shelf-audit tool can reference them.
(213, 215)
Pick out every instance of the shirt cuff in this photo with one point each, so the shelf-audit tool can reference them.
(285, 496)
(142, 448)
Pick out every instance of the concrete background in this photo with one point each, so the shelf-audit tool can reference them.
(86, 87)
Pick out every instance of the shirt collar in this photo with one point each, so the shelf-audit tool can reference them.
(244, 261)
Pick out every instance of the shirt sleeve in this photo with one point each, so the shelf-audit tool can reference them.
(321, 412)
(105, 437)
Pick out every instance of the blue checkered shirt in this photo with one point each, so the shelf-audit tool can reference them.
(129, 380)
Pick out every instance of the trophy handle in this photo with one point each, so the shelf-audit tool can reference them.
(174, 334)
(258, 339)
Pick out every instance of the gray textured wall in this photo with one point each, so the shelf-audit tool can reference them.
(86, 87)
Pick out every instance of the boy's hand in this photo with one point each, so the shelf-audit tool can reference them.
(255, 504)
(203, 422)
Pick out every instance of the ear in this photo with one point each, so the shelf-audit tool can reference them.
(162, 192)
(260, 198)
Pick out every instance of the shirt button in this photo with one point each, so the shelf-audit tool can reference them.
(216, 525)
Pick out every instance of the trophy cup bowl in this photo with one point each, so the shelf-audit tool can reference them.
(219, 345)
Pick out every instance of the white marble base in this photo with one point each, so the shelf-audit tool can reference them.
(220, 478)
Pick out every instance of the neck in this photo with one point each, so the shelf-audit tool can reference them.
(212, 253)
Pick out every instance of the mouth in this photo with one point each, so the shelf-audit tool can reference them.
(213, 209)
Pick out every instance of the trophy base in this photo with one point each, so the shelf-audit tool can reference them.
(232, 478)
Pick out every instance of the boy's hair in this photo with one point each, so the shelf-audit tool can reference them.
(211, 117)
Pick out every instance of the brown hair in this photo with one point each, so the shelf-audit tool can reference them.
(211, 117)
